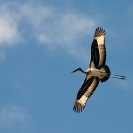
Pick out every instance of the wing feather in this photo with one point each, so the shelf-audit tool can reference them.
(98, 50)
(86, 90)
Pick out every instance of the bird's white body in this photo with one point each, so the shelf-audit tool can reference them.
(96, 73)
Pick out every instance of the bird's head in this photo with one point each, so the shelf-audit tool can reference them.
(78, 69)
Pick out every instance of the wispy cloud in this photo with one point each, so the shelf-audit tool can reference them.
(15, 119)
(11, 116)
(52, 28)
(59, 30)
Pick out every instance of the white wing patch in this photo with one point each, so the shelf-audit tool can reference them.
(100, 40)
(83, 100)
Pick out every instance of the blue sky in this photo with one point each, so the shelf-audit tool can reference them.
(41, 43)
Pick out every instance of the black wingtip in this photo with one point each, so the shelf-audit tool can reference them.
(77, 69)
(99, 32)
(78, 108)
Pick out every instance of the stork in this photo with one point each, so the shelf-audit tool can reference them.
(96, 72)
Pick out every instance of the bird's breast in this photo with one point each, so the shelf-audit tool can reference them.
(97, 73)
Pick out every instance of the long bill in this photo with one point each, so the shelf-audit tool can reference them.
(78, 69)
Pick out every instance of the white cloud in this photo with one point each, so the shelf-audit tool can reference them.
(9, 34)
(8, 30)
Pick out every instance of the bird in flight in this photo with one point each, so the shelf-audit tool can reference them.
(97, 71)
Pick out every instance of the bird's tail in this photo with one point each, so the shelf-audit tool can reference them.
(107, 70)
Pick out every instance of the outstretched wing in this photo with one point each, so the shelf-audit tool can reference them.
(98, 50)
(86, 90)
